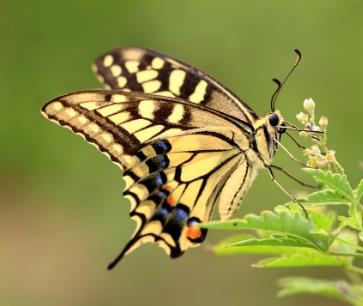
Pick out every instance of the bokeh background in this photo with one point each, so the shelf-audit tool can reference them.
(62, 215)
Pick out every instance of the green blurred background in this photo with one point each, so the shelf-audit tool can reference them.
(62, 215)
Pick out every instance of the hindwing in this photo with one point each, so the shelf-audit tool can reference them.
(178, 158)
(143, 70)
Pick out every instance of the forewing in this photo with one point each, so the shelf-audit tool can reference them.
(118, 122)
(143, 70)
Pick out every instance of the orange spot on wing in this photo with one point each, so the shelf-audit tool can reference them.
(170, 200)
(194, 232)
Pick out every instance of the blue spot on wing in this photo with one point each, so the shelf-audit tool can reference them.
(161, 146)
(159, 196)
(180, 214)
(154, 181)
(163, 212)
(158, 162)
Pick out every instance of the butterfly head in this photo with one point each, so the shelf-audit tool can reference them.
(275, 124)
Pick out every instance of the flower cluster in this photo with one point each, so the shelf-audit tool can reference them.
(319, 156)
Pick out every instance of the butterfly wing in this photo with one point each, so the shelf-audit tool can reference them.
(175, 186)
(176, 158)
(143, 70)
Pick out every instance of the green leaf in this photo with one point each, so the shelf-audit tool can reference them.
(325, 197)
(348, 222)
(276, 244)
(359, 191)
(347, 242)
(322, 219)
(305, 258)
(283, 220)
(274, 240)
(334, 289)
(334, 181)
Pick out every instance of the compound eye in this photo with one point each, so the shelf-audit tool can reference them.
(274, 119)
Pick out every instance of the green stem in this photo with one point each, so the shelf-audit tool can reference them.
(357, 247)
(346, 254)
(355, 269)
(340, 168)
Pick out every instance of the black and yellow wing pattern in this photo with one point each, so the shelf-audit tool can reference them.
(175, 163)
(182, 140)
(143, 70)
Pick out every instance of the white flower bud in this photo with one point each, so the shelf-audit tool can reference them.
(312, 151)
(302, 117)
(315, 149)
(321, 162)
(308, 152)
(309, 105)
(323, 122)
(311, 162)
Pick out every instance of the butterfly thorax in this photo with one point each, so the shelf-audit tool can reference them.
(264, 136)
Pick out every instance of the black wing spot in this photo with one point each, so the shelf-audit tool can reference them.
(158, 162)
(161, 146)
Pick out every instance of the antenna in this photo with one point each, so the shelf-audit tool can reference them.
(279, 84)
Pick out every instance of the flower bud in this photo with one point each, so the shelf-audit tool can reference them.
(312, 151)
(311, 162)
(315, 149)
(323, 122)
(308, 152)
(309, 105)
(321, 162)
(330, 156)
(302, 117)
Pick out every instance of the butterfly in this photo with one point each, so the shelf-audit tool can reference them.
(183, 141)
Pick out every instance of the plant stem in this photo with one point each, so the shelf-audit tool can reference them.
(357, 247)
(346, 254)
(355, 269)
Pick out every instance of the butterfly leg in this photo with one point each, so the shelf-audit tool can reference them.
(294, 199)
(295, 141)
(289, 154)
(293, 177)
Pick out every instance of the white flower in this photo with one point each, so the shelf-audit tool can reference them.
(323, 122)
(309, 105)
(302, 117)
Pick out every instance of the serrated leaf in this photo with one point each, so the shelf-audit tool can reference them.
(359, 191)
(322, 219)
(334, 289)
(274, 240)
(305, 258)
(276, 244)
(333, 181)
(255, 249)
(283, 220)
(246, 244)
(325, 197)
